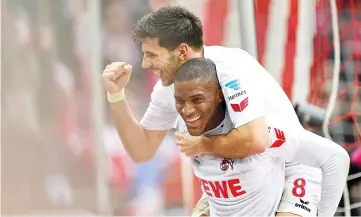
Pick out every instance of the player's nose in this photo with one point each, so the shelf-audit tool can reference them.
(188, 109)
(146, 64)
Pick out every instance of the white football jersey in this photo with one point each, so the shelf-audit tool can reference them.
(250, 186)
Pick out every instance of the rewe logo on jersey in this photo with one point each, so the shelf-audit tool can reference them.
(222, 189)
(234, 84)
(303, 205)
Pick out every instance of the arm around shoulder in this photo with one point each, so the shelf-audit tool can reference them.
(245, 99)
(243, 141)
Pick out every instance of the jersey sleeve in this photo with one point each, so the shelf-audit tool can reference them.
(333, 160)
(242, 91)
(315, 151)
(161, 113)
(283, 144)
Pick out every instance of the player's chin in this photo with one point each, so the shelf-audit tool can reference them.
(195, 131)
(167, 82)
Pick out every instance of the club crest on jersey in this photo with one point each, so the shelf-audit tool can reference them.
(226, 163)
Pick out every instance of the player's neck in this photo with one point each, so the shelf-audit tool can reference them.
(196, 53)
(216, 119)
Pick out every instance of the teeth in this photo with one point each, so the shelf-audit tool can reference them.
(193, 119)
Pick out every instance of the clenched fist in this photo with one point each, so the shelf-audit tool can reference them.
(116, 76)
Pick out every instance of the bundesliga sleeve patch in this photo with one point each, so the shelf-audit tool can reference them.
(236, 97)
(234, 84)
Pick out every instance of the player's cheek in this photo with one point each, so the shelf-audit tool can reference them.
(178, 107)
(206, 113)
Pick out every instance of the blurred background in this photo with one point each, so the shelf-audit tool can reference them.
(50, 130)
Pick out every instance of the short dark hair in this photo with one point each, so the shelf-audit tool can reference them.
(172, 25)
(196, 68)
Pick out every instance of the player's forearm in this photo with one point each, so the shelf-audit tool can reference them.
(130, 131)
(238, 143)
(334, 176)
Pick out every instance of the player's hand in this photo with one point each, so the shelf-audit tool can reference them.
(190, 145)
(116, 76)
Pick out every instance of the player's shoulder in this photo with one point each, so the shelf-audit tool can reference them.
(231, 59)
(163, 92)
(160, 87)
(232, 63)
(220, 54)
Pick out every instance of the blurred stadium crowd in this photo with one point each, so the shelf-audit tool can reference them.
(46, 104)
(46, 108)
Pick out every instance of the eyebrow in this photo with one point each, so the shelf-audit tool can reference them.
(197, 95)
(150, 52)
(192, 96)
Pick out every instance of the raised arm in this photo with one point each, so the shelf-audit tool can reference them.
(140, 140)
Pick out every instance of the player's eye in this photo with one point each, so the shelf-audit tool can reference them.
(179, 102)
(151, 56)
(197, 100)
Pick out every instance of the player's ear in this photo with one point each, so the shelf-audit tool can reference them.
(219, 96)
(183, 51)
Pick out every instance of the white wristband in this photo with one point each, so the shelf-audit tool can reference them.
(116, 97)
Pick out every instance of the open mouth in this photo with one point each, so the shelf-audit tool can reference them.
(157, 72)
(192, 122)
